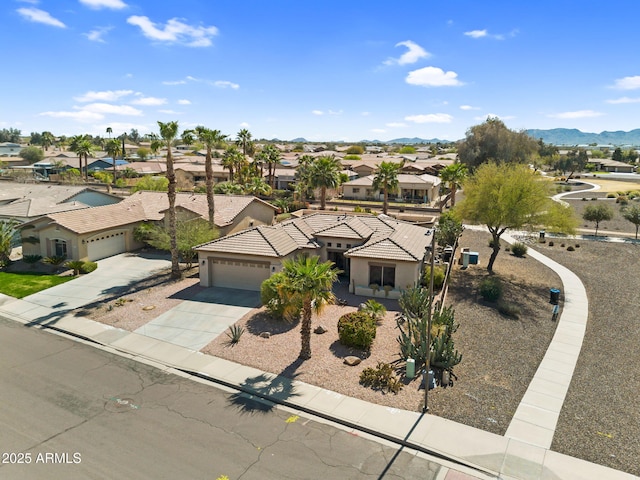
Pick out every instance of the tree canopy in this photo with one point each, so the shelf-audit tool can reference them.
(386, 179)
(632, 214)
(493, 141)
(510, 196)
(32, 154)
(597, 213)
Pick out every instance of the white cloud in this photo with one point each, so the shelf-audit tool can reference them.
(624, 100)
(96, 34)
(430, 118)
(98, 4)
(378, 130)
(81, 115)
(476, 33)
(335, 112)
(317, 112)
(174, 82)
(433, 77)
(365, 114)
(244, 125)
(576, 114)
(184, 102)
(396, 125)
(225, 84)
(149, 101)
(175, 31)
(468, 107)
(628, 83)
(113, 109)
(104, 96)
(415, 53)
(40, 16)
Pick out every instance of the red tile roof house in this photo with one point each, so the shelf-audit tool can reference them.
(379, 255)
(99, 232)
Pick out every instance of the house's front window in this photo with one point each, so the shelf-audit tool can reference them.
(60, 247)
(382, 275)
(356, 190)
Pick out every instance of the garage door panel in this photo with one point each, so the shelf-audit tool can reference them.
(239, 274)
(106, 246)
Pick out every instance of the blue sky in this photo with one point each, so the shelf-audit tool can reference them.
(327, 70)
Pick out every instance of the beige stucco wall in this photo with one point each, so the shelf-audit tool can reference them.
(255, 214)
(407, 273)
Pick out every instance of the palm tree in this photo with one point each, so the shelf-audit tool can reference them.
(7, 233)
(244, 140)
(257, 187)
(386, 179)
(169, 133)
(454, 175)
(109, 131)
(113, 150)
(272, 158)
(209, 139)
(47, 140)
(307, 282)
(81, 145)
(230, 160)
(325, 173)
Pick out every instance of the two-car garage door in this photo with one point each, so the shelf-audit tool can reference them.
(106, 245)
(241, 274)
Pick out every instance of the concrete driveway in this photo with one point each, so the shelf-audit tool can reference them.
(204, 314)
(114, 274)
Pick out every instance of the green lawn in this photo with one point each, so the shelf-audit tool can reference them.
(22, 284)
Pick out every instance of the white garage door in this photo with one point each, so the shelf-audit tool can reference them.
(244, 275)
(105, 246)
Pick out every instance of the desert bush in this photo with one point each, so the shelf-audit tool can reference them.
(593, 199)
(611, 195)
(357, 329)
(490, 289)
(270, 296)
(519, 249)
(358, 209)
(551, 244)
(570, 248)
(509, 309)
(584, 199)
(381, 378)
(439, 274)
(577, 245)
(622, 200)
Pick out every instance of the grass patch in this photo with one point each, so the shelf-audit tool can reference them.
(20, 285)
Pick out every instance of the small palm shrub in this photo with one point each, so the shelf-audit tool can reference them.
(55, 260)
(490, 289)
(374, 309)
(357, 329)
(31, 259)
(519, 249)
(74, 265)
(88, 267)
(381, 378)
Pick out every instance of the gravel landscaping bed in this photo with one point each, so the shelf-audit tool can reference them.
(600, 419)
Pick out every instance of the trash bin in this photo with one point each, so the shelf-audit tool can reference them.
(432, 380)
(473, 258)
(448, 253)
(411, 368)
(554, 295)
(542, 234)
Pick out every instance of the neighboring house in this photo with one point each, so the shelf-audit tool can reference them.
(150, 167)
(106, 163)
(613, 166)
(10, 149)
(411, 188)
(95, 233)
(379, 256)
(283, 177)
(189, 175)
(26, 202)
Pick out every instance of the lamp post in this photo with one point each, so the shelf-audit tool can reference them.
(427, 360)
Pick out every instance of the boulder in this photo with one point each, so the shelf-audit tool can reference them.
(352, 361)
(265, 334)
(320, 329)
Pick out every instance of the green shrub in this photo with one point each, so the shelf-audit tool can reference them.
(622, 200)
(611, 195)
(584, 199)
(88, 267)
(74, 265)
(31, 259)
(577, 245)
(490, 289)
(358, 209)
(381, 378)
(551, 244)
(593, 199)
(55, 260)
(357, 329)
(270, 297)
(519, 249)
(509, 309)
(374, 309)
(570, 248)
(439, 273)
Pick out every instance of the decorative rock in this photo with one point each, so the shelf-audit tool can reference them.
(352, 361)
(148, 307)
(320, 329)
(361, 307)
(265, 334)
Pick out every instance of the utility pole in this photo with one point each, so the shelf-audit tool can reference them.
(427, 361)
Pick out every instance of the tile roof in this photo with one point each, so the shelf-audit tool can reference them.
(407, 242)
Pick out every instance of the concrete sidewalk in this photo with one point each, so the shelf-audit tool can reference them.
(464, 452)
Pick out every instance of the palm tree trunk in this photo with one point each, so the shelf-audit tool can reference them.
(173, 234)
(209, 180)
(453, 194)
(305, 331)
(385, 203)
(323, 198)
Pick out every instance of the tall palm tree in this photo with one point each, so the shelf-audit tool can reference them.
(454, 175)
(169, 133)
(113, 149)
(209, 138)
(273, 159)
(230, 160)
(109, 131)
(244, 140)
(307, 282)
(82, 146)
(386, 179)
(325, 173)
(47, 140)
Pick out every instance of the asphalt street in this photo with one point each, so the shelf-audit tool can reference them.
(70, 410)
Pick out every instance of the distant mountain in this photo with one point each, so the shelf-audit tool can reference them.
(572, 136)
(404, 141)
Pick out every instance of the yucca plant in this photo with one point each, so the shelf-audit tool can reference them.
(234, 334)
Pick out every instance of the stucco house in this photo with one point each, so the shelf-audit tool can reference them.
(379, 256)
(411, 188)
(10, 149)
(95, 233)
